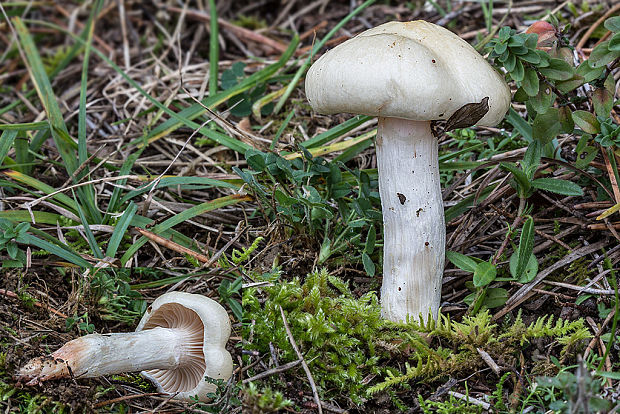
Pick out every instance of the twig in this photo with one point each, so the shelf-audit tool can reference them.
(303, 362)
(272, 371)
(598, 333)
(125, 398)
(592, 28)
(489, 361)
(38, 304)
(172, 245)
(484, 405)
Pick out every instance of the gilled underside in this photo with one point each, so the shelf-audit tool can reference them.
(188, 374)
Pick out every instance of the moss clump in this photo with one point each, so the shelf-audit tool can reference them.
(353, 353)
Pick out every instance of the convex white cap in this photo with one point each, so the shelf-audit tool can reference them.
(413, 70)
(209, 328)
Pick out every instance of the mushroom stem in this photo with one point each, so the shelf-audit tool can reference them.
(96, 355)
(414, 232)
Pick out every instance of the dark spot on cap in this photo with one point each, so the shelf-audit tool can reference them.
(401, 198)
(433, 60)
(399, 289)
(426, 243)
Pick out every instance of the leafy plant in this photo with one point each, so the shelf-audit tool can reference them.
(569, 392)
(264, 400)
(8, 241)
(325, 200)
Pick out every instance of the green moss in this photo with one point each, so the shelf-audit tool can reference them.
(354, 354)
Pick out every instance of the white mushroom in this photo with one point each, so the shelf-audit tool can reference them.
(180, 340)
(408, 74)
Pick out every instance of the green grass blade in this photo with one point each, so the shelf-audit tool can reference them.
(213, 101)
(120, 229)
(333, 133)
(90, 28)
(214, 49)
(34, 183)
(26, 126)
(184, 182)
(41, 217)
(46, 94)
(526, 246)
(114, 203)
(90, 237)
(6, 142)
(188, 214)
(54, 249)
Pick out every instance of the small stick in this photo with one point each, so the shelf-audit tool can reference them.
(125, 398)
(272, 371)
(484, 405)
(303, 361)
(592, 28)
(598, 333)
(38, 304)
(489, 361)
(172, 245)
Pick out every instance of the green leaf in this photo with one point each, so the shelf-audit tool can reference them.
(566, 120)
(586, 121)
(546, 126)
(520, 177)
(12, 249)
(613, 24)
(570, 84)
(530, 82)
(495, 297)
(6, 142)
(531, 159)
(543, 100)
(601, 55)
(518, 72)
(369, 265)
(586, 156)
(589, 73)
(531, 268)
(526, 245)
(484, 274)
(558, 69)
(558, 186)
(461, 261)
(524, 128)
(531, 57)
(370, 240)
(603, 101)
(605, 374)
(614, 43)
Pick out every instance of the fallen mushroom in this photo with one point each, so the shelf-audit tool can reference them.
(408, 74)
(180, 340)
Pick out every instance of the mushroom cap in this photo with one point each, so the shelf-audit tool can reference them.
(414, 70)
(210, 329)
